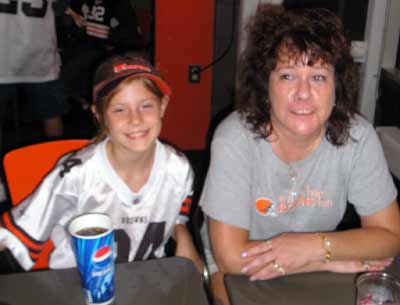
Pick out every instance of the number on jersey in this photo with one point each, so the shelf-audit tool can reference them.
(27, 8)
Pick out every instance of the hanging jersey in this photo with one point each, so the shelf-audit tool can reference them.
(85, 182)
(98, 18)
(109, 21)
(28, 47)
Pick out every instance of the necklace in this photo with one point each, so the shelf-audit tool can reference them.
(293, 184)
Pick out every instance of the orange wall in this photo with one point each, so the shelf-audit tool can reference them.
(184, 34)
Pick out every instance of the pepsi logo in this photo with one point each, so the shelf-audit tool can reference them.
(102, 254)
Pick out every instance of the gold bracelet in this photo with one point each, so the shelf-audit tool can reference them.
(326, 244)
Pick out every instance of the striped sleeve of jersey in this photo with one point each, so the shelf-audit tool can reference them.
(97, 30)
(32, 221)
(184, 211)
(33, 246)
(185, 208)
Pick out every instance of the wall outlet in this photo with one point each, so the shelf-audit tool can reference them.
(194, 73)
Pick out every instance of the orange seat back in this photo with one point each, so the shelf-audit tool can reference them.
(25, 168)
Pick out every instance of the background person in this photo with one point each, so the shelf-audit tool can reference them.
(100, 29)
(145, 186)
(30, 63)
(286, 162)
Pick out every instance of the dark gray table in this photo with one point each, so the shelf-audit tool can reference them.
(320, 288)
(172, 281)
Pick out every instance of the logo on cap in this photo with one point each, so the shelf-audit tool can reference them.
(124, 67)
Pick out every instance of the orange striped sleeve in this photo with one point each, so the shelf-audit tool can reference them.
(33, 246)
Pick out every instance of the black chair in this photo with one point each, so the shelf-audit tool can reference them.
(199, 160)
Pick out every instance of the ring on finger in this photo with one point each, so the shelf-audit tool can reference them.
(366, 266)
(279, 268)
(269, 242)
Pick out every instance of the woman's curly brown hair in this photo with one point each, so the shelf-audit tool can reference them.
(317, 33)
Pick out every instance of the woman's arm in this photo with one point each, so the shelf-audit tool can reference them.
(185, 246)
(379, 238)
(227, 244)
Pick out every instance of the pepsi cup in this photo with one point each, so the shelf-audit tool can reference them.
(93, 244)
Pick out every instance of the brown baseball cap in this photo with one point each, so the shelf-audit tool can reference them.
(119, 67)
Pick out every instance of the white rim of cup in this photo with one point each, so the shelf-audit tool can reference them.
(378, 274)
(86, 221)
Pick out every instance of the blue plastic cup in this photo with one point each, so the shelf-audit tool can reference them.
(93, 244)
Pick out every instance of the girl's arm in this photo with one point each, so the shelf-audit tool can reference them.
(185, 247)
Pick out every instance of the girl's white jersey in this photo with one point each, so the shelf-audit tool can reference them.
(28, 43)
(85, 182)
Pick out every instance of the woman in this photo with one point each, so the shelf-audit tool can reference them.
(285, 164)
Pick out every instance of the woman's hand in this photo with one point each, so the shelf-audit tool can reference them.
(277, 257)
(358, 266)
(335, 266)
(282, 254)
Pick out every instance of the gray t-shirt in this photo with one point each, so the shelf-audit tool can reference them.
(248, 186)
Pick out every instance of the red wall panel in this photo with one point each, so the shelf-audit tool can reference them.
(184, 34)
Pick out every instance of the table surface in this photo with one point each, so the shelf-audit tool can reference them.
(172, 281)
(320, 288)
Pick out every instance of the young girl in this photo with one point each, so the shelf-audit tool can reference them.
(143, 184)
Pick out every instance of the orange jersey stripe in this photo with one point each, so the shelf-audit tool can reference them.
(26, 240)
(34, 256)
(185, 208)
